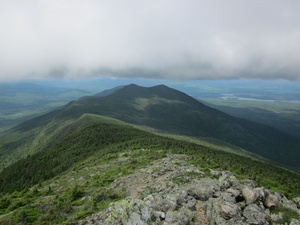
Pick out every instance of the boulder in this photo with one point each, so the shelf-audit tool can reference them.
(228, 210)
(225, 180)
(255, 215)
(271, 200)
(182, 217)
(160, 203)
(215, 173)
(203, 189)
(220, 212)
(130, 211)
(297, 202)
(234, 192)
(295, 222)
(249, 195)
(190, 204)
(228, 197)
(260, 193)
(276, 217)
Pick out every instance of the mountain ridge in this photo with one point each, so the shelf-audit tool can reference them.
(188, 116)
(172, 111)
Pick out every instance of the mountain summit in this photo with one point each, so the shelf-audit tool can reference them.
(169, 110)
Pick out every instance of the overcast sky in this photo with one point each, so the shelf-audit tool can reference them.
(188, 39)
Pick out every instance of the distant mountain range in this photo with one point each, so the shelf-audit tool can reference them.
(172, 111)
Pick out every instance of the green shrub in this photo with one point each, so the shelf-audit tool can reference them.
(27, 215)
(287, 214)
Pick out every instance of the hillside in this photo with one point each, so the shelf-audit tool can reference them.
(106, 166)
(171, 111)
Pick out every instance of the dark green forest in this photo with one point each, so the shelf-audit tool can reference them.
(102, 139)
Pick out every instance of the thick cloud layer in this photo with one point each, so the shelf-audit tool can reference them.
(172, 39)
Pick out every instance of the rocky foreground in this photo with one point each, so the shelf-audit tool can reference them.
(172, 191)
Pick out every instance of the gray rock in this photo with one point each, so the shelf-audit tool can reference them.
(271, 200)
(191, 203)
(215, 173)
(135, 219)
(228, 197)
(295, 222)
(242, 204)
(297, 202)
(161, 215)
(203, 189)
(182, 217)
(249, 195)
(260, 193)
(162, 203)
(182, 198)
(228, 210)
(255, 215)
(220, 212)
(130, 211)
(276, 217)
(225, 180)
(289, 204)
(235, 183)
(234, 192)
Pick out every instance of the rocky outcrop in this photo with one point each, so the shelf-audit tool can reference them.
(171, 191)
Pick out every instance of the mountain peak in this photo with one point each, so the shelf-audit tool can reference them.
(175, 112)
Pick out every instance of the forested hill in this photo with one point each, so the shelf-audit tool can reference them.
(99, 164)
(172, 111)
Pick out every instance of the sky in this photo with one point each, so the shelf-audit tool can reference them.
(158, 39)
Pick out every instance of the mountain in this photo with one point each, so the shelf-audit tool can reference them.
(172, 111)
(77, 166)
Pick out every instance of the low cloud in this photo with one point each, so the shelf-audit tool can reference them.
(168, 39)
